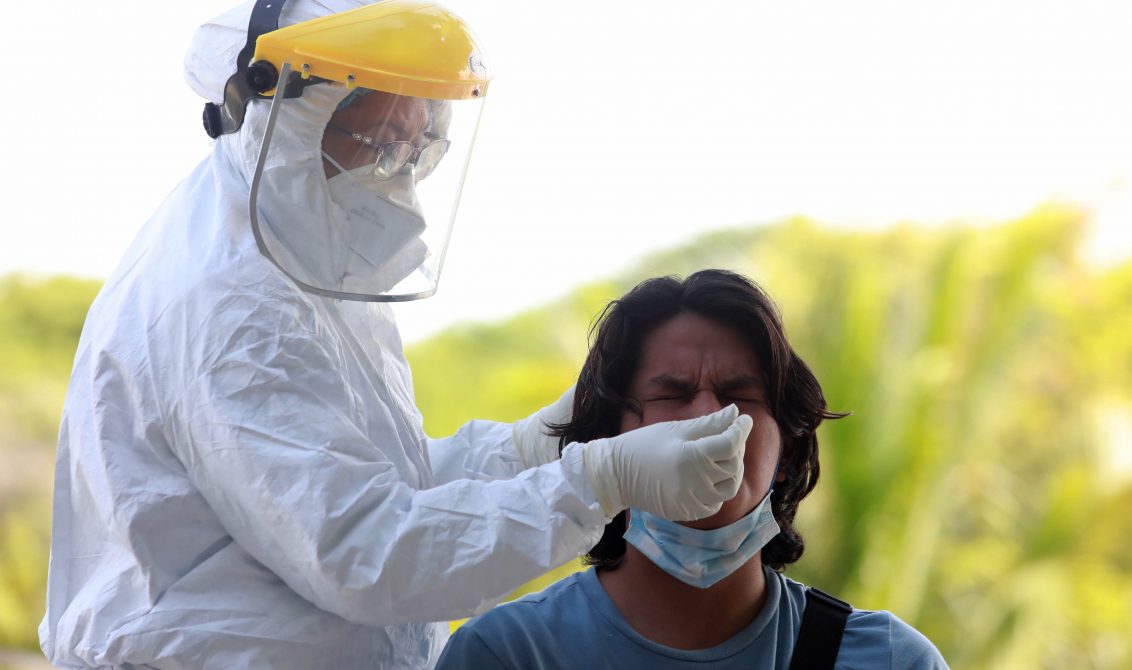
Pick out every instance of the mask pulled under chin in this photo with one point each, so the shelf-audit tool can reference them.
(381, 224)
(701, 558)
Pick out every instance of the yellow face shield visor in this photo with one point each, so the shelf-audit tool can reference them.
(406, 47)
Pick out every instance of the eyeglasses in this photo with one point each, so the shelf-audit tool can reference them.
(391, 157)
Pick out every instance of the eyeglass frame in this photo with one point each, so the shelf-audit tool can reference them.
(411, 159)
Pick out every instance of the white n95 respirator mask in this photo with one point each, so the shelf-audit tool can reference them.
(383, 223)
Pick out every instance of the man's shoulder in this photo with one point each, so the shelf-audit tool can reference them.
(879, 633)
(534, 612)
(522, 633)
(873, 638)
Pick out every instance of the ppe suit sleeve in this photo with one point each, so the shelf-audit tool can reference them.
(271, 434)
(481, 450)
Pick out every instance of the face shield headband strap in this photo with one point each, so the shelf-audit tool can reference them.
(251, 80)
(276, 105)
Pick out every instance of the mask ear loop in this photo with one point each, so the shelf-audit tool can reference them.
(336, 164)
(773, 481)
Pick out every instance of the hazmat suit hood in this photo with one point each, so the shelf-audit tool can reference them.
(304, 222)
(211, 60)
(211, 57)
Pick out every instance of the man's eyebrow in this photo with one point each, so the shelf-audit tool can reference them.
(668, 380)
(741, 381)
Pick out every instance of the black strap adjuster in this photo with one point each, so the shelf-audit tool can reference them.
(250, 80)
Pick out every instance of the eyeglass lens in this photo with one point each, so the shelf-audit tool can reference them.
(394, 155)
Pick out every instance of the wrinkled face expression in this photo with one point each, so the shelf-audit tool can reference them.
(692, 366)
(383, 117)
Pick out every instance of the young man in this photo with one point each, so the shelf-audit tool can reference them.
(707, 593)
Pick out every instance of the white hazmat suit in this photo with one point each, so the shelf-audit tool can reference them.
(243, 479)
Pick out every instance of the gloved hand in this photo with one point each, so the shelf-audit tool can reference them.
(532, 443)
(679, 470)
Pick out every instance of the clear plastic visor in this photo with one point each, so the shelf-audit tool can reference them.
(355, 191)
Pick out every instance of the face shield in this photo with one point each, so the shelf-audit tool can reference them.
(365, 149)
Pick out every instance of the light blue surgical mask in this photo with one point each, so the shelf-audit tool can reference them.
(697, 557)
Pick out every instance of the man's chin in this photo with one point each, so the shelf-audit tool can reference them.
(728, 514)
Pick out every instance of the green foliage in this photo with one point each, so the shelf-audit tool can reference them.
(979, 490)
(40, 322)
(973, 438)
(23, 574)
(528, 361)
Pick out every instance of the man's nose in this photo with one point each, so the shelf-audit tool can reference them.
(705, 402)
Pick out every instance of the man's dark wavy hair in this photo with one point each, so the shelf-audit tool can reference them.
(793, 394)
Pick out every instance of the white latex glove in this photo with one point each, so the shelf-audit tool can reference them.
(532, 443)
(679, 470)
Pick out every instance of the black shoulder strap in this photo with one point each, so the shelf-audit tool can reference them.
(820, 636)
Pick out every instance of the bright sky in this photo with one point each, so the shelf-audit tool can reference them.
(616, 128)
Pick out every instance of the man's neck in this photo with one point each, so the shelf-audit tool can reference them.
(669, 612)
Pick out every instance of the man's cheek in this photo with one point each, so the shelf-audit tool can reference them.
(630, 421)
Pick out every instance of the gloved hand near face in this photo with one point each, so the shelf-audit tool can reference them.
(533, 441)
(678, 470)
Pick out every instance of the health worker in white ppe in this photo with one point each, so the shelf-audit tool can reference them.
(243, 480)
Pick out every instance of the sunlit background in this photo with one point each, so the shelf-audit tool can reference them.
(939, 195)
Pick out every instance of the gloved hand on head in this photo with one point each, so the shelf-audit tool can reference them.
(531, 435)
(678, 470)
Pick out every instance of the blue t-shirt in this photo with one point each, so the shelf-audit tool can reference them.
(574, 624)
